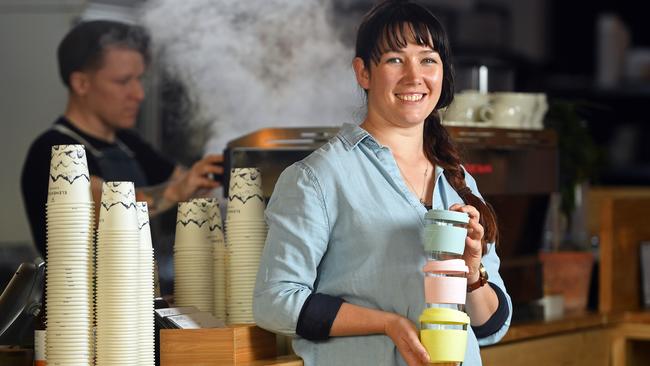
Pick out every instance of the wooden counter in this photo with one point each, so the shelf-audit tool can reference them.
(620, 339)
(569, 323)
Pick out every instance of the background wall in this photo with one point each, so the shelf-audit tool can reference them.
(31, 95)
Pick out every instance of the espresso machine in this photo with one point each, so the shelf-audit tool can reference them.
(516, 172)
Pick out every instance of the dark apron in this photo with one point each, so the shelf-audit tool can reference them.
(116, 163)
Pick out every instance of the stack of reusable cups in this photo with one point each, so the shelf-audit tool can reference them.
(118, 247)
(146, 347)
(218, 243)
(245, 237)
(69, 276)
(193, 256)
(443, 323)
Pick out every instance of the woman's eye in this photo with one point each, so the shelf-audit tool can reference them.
(394, 60)
(429, 60)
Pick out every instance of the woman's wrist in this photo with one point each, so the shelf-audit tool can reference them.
(473, 277)
(388, 319)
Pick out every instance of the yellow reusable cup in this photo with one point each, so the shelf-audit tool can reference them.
(444, 334)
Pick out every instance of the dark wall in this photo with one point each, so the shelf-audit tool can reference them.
(572, 31)
(616, 117)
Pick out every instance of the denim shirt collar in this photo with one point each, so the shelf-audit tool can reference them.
(351, 135)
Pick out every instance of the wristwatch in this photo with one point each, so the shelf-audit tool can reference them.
(482, 279)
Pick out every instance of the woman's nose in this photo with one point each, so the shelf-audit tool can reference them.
(412, 73)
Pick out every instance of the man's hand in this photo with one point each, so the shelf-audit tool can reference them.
(188, 183)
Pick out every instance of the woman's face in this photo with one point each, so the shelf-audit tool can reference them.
(404, 87)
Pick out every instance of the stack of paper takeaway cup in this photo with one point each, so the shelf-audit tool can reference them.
(145, 289)
(245, 236)
(216, 237)
(193, 257)
(69, 258)
(118, 245)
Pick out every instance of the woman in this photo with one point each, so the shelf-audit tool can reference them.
(342, 265)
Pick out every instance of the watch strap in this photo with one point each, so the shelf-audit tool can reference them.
(482, 280)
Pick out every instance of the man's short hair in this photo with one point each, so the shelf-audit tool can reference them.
(84, 46)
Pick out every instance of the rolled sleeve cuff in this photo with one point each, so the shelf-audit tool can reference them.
(498, 319)
(317, 316)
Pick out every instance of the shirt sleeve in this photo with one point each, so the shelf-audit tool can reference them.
(297, 239)
(497, 319)
(317, 316)
(491, 262)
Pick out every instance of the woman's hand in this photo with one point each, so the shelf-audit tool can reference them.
(473, 241)
(405, 336)
(355, 320)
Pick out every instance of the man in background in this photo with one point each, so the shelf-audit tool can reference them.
(102, 63)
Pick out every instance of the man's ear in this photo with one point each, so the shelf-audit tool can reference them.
(79, 83)
(361, 72)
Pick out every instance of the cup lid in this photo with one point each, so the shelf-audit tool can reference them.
(447, 215)
(443, 316)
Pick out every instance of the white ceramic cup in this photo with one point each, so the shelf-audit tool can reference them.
(541, 107)
(510, 110)
(466, 109)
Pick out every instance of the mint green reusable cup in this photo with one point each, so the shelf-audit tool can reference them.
(444, 234)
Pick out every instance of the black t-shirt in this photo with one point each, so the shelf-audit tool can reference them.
(34, 179)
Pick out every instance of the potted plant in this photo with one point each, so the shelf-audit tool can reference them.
(568, 264)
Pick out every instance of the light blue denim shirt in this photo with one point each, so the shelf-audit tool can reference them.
(342, 222)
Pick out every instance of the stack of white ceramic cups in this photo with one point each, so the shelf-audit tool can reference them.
(193, 256)
(118, 246)
(443, 323)
(145, 289)
(245, 237)
(69, 259)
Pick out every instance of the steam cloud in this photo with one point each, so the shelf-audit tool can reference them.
(254, 64)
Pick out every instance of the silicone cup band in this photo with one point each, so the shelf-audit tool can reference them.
(446, 345)
(445, 290)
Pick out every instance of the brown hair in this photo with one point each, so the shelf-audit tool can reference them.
(383, 28)
(85, 45)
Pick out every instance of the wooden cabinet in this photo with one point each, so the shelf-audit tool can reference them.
(234, 345)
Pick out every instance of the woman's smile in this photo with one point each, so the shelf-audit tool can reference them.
(410, 97)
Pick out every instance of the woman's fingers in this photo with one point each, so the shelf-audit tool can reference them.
(405, 336)
(417, 349)
(474, 229)
(470, 210)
